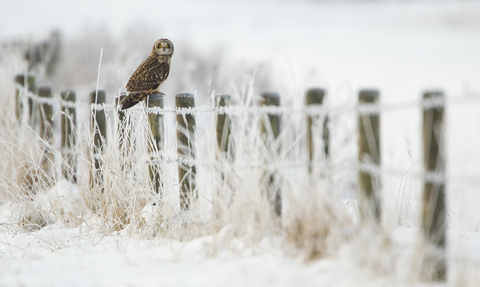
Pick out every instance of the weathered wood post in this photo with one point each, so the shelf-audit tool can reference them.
(186, 150)
(68, 126)
(98, 126)
(223, 121)
(314, 97)
(123, 133)
(121, 114)
(434, 212)
(225, 153)
(21, 99)
(270, 128)
(46, 123)
(156, 126)
(369, 153)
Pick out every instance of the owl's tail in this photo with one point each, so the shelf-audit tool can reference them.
(131, 100)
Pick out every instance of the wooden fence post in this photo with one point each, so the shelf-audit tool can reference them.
(270, 128)
(315, 97)
(68, 126)
(123, 133)
(121, 113)
(46, 123)
(224, 154)
(23, 80)
(98, 126)
(434, 212)
(186, 150)
(369, 152)
(223, 129)
(156, 126)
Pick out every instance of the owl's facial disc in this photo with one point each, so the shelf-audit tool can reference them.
(163, 47)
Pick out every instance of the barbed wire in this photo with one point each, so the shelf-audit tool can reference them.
(325, 167)
(313, 110)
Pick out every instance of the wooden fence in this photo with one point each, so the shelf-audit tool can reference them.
(433, 210)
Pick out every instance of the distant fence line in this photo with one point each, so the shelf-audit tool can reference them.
(369, 168)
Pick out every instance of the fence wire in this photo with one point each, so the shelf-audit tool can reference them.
(312, 110)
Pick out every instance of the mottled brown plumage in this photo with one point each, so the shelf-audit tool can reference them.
(148, 77)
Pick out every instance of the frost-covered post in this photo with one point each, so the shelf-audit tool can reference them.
(270, 128)
(46, 123)
(156, 126)
(123, 133)
(369, 153)
(68, 126)
(121, 113)
(186, 150)
(28, 81)
(98, 126)
(224, 153)
(223, 121)
(434, 212)
(314, 97)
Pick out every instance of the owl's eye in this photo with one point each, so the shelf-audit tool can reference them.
(168, 46)
(159, 46)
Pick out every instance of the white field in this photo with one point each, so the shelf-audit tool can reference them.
(400, 47)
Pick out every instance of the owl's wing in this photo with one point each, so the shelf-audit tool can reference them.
(148, 76)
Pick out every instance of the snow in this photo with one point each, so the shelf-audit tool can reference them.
(399, 47)
(56, 256)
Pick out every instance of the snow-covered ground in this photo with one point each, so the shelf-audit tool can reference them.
(399, 47)
(56, 256)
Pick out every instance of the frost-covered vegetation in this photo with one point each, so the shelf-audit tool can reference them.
(123, 224)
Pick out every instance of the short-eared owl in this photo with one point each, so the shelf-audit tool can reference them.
(148, 77)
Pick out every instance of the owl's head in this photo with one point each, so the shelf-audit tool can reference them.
(163, 47)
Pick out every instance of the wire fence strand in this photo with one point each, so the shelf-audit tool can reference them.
(313, 110)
